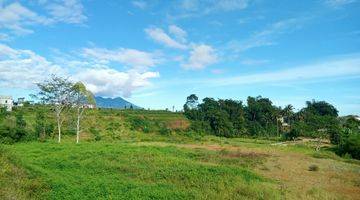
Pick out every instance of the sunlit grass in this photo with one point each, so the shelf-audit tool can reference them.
(120, 170)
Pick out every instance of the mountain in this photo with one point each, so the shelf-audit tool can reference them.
(117, 102)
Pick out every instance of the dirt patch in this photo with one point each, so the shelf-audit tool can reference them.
(332, 180)
(178, 124)
(244, 155)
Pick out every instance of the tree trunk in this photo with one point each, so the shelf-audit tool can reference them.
(59, 127)
(78, 126)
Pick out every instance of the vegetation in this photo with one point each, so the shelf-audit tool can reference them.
(260, 118)
(143, 167)
(215, 149)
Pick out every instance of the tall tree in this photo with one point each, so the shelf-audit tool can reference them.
(81, 99)
(321, 108)
(287, 113)
(191, 102)
(56, 92)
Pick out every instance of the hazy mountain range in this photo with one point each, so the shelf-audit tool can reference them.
(117, 102)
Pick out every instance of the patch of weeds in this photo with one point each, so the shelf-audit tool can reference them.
(313, 168)
(264, 168)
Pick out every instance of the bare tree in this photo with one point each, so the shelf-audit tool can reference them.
(81, 99)
(56, 92)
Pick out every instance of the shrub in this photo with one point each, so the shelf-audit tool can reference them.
(6, 135)
(140, 124)
(292, 134)
(313, 168)
(43, 127)
(20, 126)
(164, 130)
(350, 144)
(200, 127)
(96, 133)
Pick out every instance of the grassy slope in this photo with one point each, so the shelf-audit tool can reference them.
(213, 168)
(153, 166)
(127, 171)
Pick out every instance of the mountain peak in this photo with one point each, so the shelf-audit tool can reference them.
(117, 102)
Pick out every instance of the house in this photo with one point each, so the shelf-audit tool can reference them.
(7, 102)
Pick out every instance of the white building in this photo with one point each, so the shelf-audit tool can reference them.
(6, 101)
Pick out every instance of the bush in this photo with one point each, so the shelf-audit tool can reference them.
(313, 168)
(350, 144)
(200, 127)
(96, 133)
(43, 126)
(6, 135)
(164, 130)
(140, 124)
(292, 134)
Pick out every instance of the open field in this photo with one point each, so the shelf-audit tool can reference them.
(184, 168)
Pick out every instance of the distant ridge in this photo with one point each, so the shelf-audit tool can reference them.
(117, 102)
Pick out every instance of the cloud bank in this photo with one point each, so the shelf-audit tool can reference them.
(105, 80)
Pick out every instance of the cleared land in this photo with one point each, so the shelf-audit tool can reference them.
(149, 155)
(210, 168)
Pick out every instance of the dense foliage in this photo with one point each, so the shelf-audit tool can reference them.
(231, 118)
(260, 118)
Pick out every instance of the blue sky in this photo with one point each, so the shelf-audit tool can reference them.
(155, 53)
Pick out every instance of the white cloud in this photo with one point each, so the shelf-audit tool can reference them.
(253, 62)
(217, 71)
(201, 56)
(178, 32)
(189, 5)
(111, 83)
(16, 18)
(338, 67)
(161, 37)
(22, 68)
(129, 57)
(4, 37)
(139, 4)
(203, 7)
(67, 11)
(267, 36)
(338, 3)
(229, 5)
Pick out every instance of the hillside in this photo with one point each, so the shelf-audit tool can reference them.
(140, 154)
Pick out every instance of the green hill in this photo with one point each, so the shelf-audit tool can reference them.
(139, 154)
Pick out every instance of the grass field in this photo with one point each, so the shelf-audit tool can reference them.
(132, 163)
(209, 168)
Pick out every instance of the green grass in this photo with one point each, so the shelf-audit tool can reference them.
(125, 171)
(131, 164)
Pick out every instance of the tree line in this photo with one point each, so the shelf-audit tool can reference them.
(63, 97)
(259, 117)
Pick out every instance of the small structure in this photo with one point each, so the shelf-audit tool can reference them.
(284, 126)
(7, 102)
